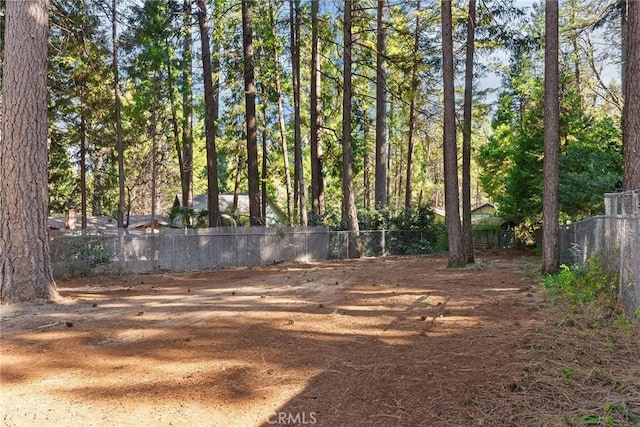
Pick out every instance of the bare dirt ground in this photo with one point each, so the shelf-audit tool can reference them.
(389, 342)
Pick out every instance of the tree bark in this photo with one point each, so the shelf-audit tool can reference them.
(467, 233)
(317, 180)
(178, 144)
(250, 115)
(187, 109)
(118, 110)
(83, 160)
(380, 192)
(25, 264)
(350, 214)
(299, 192)
(631, 117)
(412, 111)
(452, 205)
(550, 203)
(213, 205)
(281, 121)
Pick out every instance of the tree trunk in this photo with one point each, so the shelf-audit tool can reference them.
(250, 115)
(350, 215)
(187, 109)
(381, 108)
(264, 175)
(412, 111)
(624, 47)
(153, 134)
(118, 111)
(452, 205)
(550, 204)
(281, 122)
(317, 180)
(467, 233)
(213, 205)
(299, 192)
(25, 264)
(83, 160)
(631, 117)
(176, 128)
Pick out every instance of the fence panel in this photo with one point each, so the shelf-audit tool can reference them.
(615, 239)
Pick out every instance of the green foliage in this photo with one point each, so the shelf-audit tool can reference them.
(583, 284)
(183, 217)
(611, 414)
(414, 230)
(80, 107)
(590, 162)
(91, 251)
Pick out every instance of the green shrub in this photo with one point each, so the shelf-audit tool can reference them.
(583, 284)
(410, 231)
(91, 250)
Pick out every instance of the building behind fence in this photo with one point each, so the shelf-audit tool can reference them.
(615, 239)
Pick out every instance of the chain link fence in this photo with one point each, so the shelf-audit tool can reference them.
(615, 239)
(113, 251)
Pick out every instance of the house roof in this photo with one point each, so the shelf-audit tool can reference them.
(225, 201)
(58, 222)
(144, 221)
(483, 206)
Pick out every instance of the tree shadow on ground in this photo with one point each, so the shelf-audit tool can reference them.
(370, 342)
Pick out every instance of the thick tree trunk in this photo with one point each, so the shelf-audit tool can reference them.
(624, 47)
(317, 180)
(213, 205)
(381, 108)
(281, 121)
(25, 264)
(631, 118)
(250, 115)
(550, 203)
(350, 214)
(467, 234)
(451, 202)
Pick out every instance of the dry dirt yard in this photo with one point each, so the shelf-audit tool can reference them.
(389, 342)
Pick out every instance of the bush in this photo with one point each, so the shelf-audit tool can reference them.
(182, 216)
(91, 251)
(410, 231)
(584, 284)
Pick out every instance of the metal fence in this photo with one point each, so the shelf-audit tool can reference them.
(115, 251)
(615, 239)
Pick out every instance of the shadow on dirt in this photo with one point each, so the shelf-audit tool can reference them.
(369, 342)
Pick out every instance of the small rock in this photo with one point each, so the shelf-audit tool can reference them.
(69, 324)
